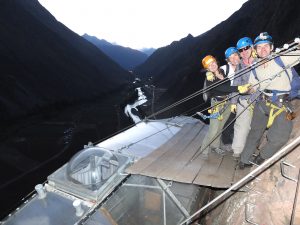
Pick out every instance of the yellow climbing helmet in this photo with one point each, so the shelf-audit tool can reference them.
(208, 60)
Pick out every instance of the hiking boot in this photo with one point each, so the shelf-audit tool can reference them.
(244, 165)
(227, 148)
(219, 151)
(258, 160)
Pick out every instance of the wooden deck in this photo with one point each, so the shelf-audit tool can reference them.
(175, 160)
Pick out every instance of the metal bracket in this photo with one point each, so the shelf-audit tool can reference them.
(295, 200)
(173, 197)
(247, 217)
(283, 172)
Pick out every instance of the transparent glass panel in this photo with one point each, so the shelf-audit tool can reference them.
(92, 167)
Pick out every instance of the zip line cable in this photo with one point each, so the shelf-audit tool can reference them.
(283, 51)
(279, 52)
(261, 92)
(258, 170)
(239, 73)
(236, 75)
(197, 153)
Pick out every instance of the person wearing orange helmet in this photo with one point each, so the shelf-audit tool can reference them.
(220, 111)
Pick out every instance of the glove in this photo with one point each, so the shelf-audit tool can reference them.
(244, 88)
(210, 76)
(233, 108)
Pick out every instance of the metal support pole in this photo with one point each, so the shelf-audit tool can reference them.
(295, 201)
(173, 198)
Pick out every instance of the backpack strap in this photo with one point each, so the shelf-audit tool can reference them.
(295, 80)
(280, 63)
(227, 70)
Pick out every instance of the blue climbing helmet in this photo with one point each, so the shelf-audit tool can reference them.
(244, 42)
(263, 37)
(229, 51)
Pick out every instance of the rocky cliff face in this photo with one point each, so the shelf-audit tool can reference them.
(43, 63)
(272, 198)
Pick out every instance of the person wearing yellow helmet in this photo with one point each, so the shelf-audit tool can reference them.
(219, 106)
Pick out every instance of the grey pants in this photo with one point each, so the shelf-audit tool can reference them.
(215, 127)
(278, 134)
(242, 126)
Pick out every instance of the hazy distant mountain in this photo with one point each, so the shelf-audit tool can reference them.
(126, 57)
(148, 51)
(178, 66)
(43, 63)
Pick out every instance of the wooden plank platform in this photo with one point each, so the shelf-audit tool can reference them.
(184, 158)
(173, 155)
(179, 161)
(145, 162)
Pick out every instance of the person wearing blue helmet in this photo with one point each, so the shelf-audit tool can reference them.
(229, 51)
(263, 38)
(245, 48)
(240, 104)
(233, 59)
(219, 112)
(272, 83)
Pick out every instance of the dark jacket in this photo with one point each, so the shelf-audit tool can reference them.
(221, 89)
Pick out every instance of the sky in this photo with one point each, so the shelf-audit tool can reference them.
(141, 23)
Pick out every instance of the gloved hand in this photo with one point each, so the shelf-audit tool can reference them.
(233, 108)
(210, 76)
(244, 88)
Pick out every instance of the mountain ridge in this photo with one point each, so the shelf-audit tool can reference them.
(181, 72)
(44, 63)
(126, 57)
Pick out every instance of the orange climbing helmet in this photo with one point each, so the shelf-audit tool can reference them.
(208, 60)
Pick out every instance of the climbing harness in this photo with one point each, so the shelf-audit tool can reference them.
(216, 110)
(197, 153)
(274, 112)
(248, 105)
